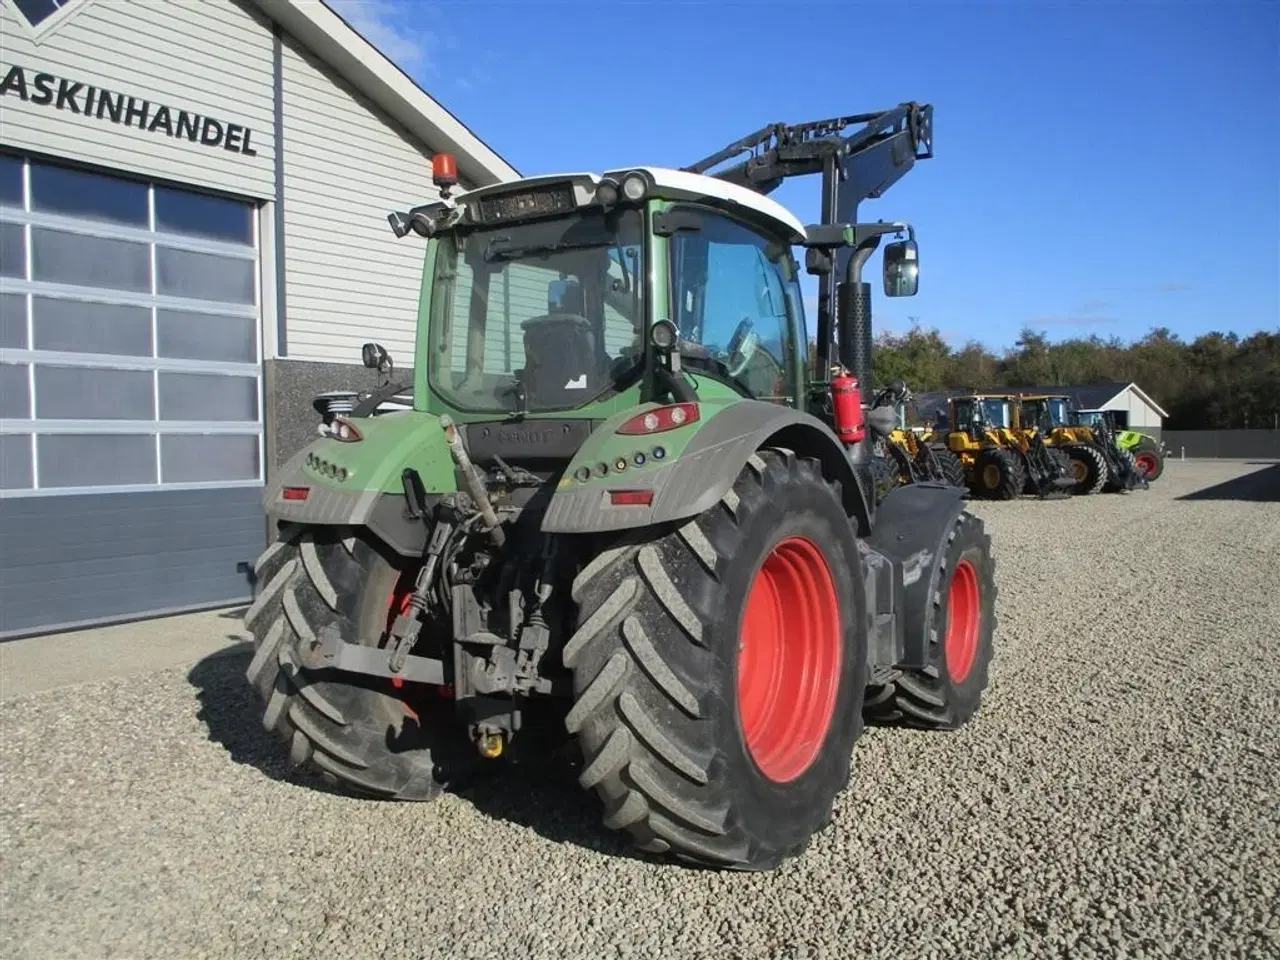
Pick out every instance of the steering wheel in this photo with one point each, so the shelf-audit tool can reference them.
(742, 347)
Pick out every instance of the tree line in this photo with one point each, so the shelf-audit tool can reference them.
(1218, 381)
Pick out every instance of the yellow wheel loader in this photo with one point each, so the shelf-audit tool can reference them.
(1098, 462)
(1001, 460)
(904, 455)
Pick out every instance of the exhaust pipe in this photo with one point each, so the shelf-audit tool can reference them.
(854, 332)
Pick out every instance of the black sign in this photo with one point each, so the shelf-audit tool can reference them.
(44, 90)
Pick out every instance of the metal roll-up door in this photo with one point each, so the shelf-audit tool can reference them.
(130, 385)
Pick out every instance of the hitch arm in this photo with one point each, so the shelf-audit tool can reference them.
(329, 651)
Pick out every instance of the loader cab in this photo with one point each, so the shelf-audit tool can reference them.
(1044, 414)
(1116, 419)
(975, 415)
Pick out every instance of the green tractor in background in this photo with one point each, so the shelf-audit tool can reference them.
(1148, 453)
(621, 512)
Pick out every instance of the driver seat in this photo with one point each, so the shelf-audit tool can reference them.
(562, 362)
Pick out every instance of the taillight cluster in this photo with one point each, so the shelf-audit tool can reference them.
(661, 419)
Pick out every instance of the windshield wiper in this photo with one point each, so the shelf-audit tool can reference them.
(492, 252)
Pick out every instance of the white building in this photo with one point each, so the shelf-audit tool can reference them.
(1133, 407)
(193, 200)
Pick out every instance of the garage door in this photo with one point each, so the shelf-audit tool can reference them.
(130, 413)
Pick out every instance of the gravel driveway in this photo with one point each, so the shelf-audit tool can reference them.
(1117, 796)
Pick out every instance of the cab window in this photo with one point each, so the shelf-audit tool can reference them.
(736, 292)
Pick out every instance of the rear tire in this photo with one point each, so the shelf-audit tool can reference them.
(1150, 458)
(1089, 468)
(669, 683)
(960, 627)
(354, 730)
(999, 474)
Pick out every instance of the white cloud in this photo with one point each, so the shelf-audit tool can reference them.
(389, 27)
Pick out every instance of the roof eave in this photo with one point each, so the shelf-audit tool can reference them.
(1147, 397)
(333, 40)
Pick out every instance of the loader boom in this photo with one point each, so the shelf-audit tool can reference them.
(855, 166)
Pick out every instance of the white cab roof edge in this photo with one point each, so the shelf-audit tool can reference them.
(701, 185)
(679, 184)
(326, 34)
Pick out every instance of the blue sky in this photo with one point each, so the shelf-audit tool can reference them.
(1100, 167)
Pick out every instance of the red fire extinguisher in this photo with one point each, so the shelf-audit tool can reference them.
(846, 403)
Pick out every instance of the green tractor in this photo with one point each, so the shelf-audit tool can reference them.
(1147, 452)
(621, 515)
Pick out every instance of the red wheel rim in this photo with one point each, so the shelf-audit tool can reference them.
(789, 659)
(1147, 464)
(964, 618)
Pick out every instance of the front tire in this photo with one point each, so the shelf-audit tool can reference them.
(960, 630)
(1088, 468)
(999, 474)
(885, 476)
(952, 467)
(720, 668)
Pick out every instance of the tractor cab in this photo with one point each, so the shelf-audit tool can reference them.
(576, 295)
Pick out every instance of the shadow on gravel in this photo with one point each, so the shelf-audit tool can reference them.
(1261, 486)
(540, 792)
(233, 715)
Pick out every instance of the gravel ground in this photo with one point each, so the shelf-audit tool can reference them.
(1117, 796)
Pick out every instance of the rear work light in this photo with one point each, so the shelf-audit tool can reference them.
(661, 419)
(344, 430)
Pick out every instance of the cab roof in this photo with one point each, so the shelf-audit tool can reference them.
(673, 185)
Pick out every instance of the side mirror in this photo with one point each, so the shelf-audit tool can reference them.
(375, 357)
(901, 269)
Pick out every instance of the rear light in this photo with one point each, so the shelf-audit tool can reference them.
(344, 430)
(295, 493)
(661, 419)
(630, 498)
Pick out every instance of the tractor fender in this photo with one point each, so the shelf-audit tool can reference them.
(913, 524)
(373, 497)
(704, 471)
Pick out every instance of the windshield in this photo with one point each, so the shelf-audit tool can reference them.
(996, 413)
(1044, 414)
(981, 413)
(537, 316)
